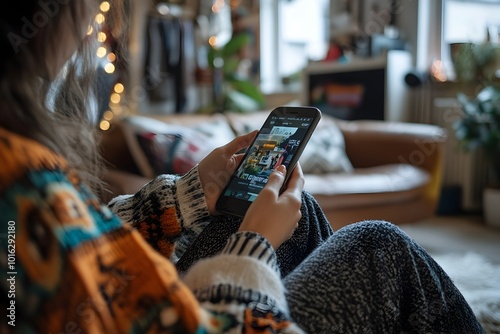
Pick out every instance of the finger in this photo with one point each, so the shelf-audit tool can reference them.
(295, 183)
(276, 179)
(238, 158)
(235, 162)
(239, 143)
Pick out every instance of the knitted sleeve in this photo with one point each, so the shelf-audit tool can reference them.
(241, 287)
(169, 212)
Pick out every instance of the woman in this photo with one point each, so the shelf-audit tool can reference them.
(70, 264)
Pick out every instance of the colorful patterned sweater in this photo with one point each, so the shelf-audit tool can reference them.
(70, 264)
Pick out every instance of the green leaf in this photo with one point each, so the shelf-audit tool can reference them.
(235, 44)
(238, 94)
(248, 88)
(230, 65)
(211, 55)
(237, 101)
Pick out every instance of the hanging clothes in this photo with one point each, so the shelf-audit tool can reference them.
(164, 68)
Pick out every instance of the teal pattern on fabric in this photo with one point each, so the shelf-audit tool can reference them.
(85, 220)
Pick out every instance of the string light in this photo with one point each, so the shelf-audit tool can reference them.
(115, 98)
(109, 68)
(99, 18)
(101, 51)
(105, 6)
(119, 88)
(101, 37)
(212, 41)
(104, 125)
(217, 6)
(108, 115)
(109, 59)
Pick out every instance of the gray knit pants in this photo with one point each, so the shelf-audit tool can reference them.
(368, 277)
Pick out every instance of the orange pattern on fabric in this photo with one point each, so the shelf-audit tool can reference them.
(165, 248)
(116, 284)
(143, 228)
(19, 155)
(169, 223)
(256, 324)
(88, 311)
(182, 299)
(69, 207)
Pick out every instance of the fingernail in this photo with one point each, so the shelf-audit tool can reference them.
(281, 169)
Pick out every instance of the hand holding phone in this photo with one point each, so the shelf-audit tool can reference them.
(275, 214)
(280, 141)
(217, 167)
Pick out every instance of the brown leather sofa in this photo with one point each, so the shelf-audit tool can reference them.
(396, 177)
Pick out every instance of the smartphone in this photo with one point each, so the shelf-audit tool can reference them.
(280, 141)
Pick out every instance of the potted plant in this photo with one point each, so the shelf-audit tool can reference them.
(479, 129)
(232, 90)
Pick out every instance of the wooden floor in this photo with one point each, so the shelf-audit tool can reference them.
(457, 234)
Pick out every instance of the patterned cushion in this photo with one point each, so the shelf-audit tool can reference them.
(325, 152)
(164, 148)
(175, 152)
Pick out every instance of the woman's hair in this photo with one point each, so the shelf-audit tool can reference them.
(59, 113)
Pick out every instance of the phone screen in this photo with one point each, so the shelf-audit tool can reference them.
(275, 145)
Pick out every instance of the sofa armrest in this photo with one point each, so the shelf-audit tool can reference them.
(372, 143)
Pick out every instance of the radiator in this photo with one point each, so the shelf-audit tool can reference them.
(468, 170)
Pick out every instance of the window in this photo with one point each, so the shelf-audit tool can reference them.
(465, 21)
(292, 33)
(470, 21)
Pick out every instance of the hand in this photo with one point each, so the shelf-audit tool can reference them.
(273, 215)
(217, 167)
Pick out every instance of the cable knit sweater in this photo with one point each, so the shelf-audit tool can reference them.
(77, 266)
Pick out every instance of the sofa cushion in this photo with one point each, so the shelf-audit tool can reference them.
(167, 145)
(368, 186)
(243, 123)
(215, 125)
(325, 152)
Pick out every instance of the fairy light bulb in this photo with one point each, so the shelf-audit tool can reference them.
(111, 57)
(109, 68)
(115, 98)
(119, 88)
(99, 18)
(101, 36)
(105, 6)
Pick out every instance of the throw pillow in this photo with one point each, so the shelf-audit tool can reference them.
(325, 152)
(243, 123)
(173, 153)
(162, 148)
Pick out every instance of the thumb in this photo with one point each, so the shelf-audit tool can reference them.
(240, 142)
